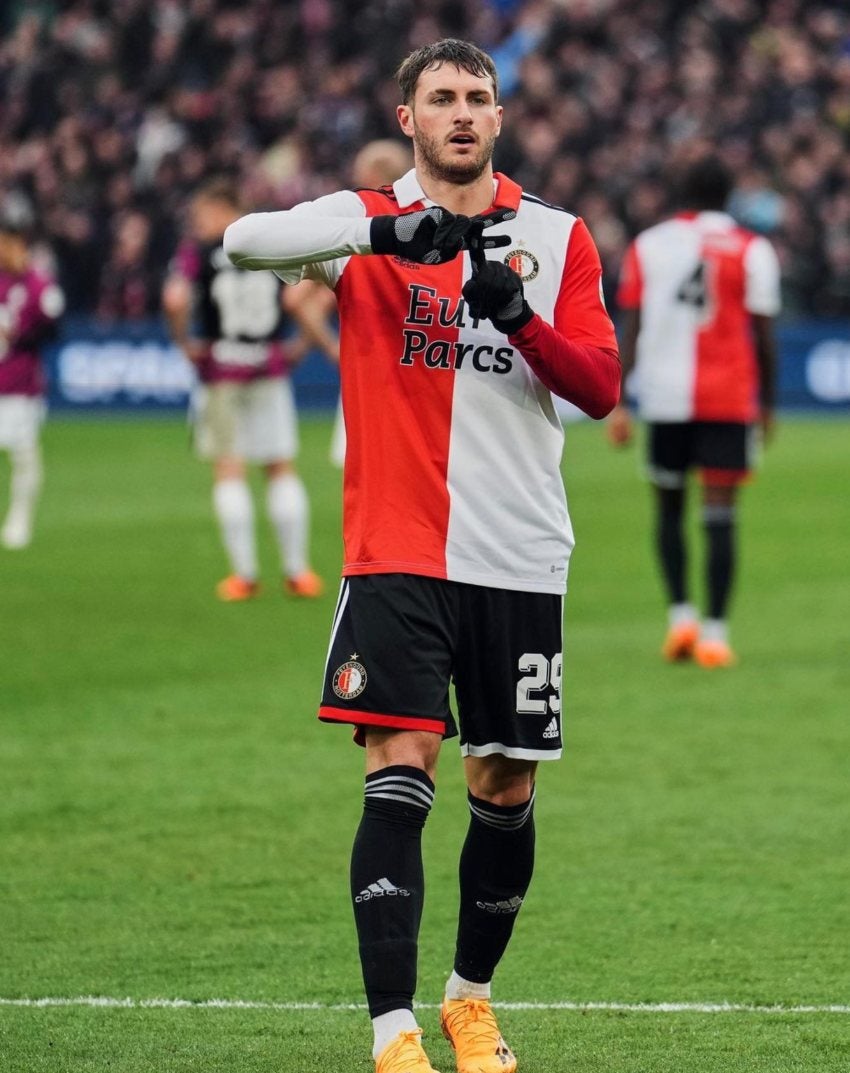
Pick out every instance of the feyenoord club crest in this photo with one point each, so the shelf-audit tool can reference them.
(522, 262)
(349, 680)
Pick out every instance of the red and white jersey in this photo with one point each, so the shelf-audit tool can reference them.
(30, 305)
(452, 466)
(697, 279)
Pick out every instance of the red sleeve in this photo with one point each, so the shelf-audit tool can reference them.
(630, 290)
(577, 359)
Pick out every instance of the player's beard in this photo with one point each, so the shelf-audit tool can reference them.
(465, 170)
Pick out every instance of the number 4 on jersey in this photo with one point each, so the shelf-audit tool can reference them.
(693, 290)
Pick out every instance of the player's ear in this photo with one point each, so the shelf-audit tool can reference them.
(405, 119)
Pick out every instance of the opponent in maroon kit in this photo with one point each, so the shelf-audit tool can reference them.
(464, 304)
(30, 306)
(229, 323)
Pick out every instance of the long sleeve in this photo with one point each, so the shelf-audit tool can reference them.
(577, 359)
(587, 376)
(315, 231)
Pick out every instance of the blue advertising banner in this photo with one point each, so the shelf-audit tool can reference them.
(134, 367)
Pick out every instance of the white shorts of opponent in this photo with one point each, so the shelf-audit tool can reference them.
(21, 418)
(254, 421)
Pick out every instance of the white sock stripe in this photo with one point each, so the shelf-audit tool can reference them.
(371, 781)
(407, 798)
(496, 819)
(502, 823)
(714, 513)
(402, 785)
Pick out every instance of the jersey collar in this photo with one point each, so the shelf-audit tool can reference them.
(409, 192)
(712, 217)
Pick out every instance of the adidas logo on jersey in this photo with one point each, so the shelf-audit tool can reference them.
(551, 730)
(382, 889)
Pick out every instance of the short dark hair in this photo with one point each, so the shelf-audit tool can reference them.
(220, 188)
(705, 185)
(462, 54)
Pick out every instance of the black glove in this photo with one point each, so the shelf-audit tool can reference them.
(494, 292)
(430, 236)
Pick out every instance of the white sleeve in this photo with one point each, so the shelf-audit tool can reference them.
(762, 278)
(332, 227)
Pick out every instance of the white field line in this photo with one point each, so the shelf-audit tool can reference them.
(100, 1001)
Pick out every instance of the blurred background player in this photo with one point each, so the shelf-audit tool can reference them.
(379, 163)
(30, 305)
(698, 295)
(229, 324)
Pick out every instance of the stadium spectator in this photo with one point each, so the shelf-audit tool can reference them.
(30, 305)
(456, 530)
(229, 322)
(109, 109)
(699, 294)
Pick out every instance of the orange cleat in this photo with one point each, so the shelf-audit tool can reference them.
(404, 1054)
(307, 585)
(470, 1026)
(680, 642)
(235, 588)
(714, 654)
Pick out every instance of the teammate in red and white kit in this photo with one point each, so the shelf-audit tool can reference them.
(464, 304)
(699, 295)
(229, 324)
(30, 306)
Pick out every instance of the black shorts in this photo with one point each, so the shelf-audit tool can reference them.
(399, 640)
(721, 450)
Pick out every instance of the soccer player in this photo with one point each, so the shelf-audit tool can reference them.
(464, 304)
(699, 295)
(229, 323)
(30, 306)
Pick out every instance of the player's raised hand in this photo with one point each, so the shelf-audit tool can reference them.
(495, 292)
(430, 236)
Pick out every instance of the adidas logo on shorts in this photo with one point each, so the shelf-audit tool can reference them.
(382, 889)
(551, 730)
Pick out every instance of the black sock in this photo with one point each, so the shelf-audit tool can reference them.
(387, 883)
(495, 871)
(719, 522)
(670, 542)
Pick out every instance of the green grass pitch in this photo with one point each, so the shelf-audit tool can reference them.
(175, 823)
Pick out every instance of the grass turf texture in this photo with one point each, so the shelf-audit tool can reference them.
(174, 822)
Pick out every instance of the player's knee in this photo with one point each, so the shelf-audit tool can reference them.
(410, 748)
(501, 780)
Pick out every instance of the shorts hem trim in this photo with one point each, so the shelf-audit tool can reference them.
(512, 751)
(726, 478)
(328, 714)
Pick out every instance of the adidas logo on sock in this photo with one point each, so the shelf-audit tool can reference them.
(510, 905)
(551, 730)
(382, 889)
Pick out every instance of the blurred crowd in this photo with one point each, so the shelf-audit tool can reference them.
(113, 111)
